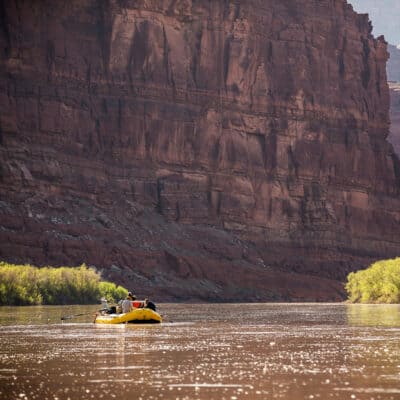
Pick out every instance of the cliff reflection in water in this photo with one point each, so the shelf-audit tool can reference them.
(373, 314)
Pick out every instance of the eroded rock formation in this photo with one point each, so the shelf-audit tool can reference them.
(197, 150)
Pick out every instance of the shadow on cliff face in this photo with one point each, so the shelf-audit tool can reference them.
(139, 249)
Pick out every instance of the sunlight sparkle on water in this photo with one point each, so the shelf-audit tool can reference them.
(288, 352)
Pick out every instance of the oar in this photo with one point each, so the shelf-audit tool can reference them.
(78, 315)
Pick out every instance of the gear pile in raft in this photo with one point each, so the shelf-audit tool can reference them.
(130, 311)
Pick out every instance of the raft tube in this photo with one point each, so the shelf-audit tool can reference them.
(136, 316)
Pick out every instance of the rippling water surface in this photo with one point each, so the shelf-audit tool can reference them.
(211, 351)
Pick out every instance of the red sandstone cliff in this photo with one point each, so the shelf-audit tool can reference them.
(205, 150)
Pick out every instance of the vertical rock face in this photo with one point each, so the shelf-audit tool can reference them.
(235, 148)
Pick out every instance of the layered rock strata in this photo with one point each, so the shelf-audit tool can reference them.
(197, 150)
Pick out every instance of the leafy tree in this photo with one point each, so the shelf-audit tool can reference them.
(380, 283)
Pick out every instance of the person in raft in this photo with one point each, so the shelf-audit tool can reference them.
(149, 304)
(130, 303)
(126, 305)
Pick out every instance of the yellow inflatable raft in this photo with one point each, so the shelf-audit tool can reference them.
(136, 316)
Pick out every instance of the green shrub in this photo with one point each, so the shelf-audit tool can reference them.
(28, 285)
(380, 283)
(111, 292)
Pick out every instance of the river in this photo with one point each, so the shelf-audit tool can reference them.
(204, 351)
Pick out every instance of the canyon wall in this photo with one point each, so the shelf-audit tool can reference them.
(197, 150)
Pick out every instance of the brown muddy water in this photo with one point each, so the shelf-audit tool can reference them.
(207, 351)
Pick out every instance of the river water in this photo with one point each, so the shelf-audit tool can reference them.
(204, 351)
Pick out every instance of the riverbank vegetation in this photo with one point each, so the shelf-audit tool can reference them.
(380, 283)
(29, 285)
